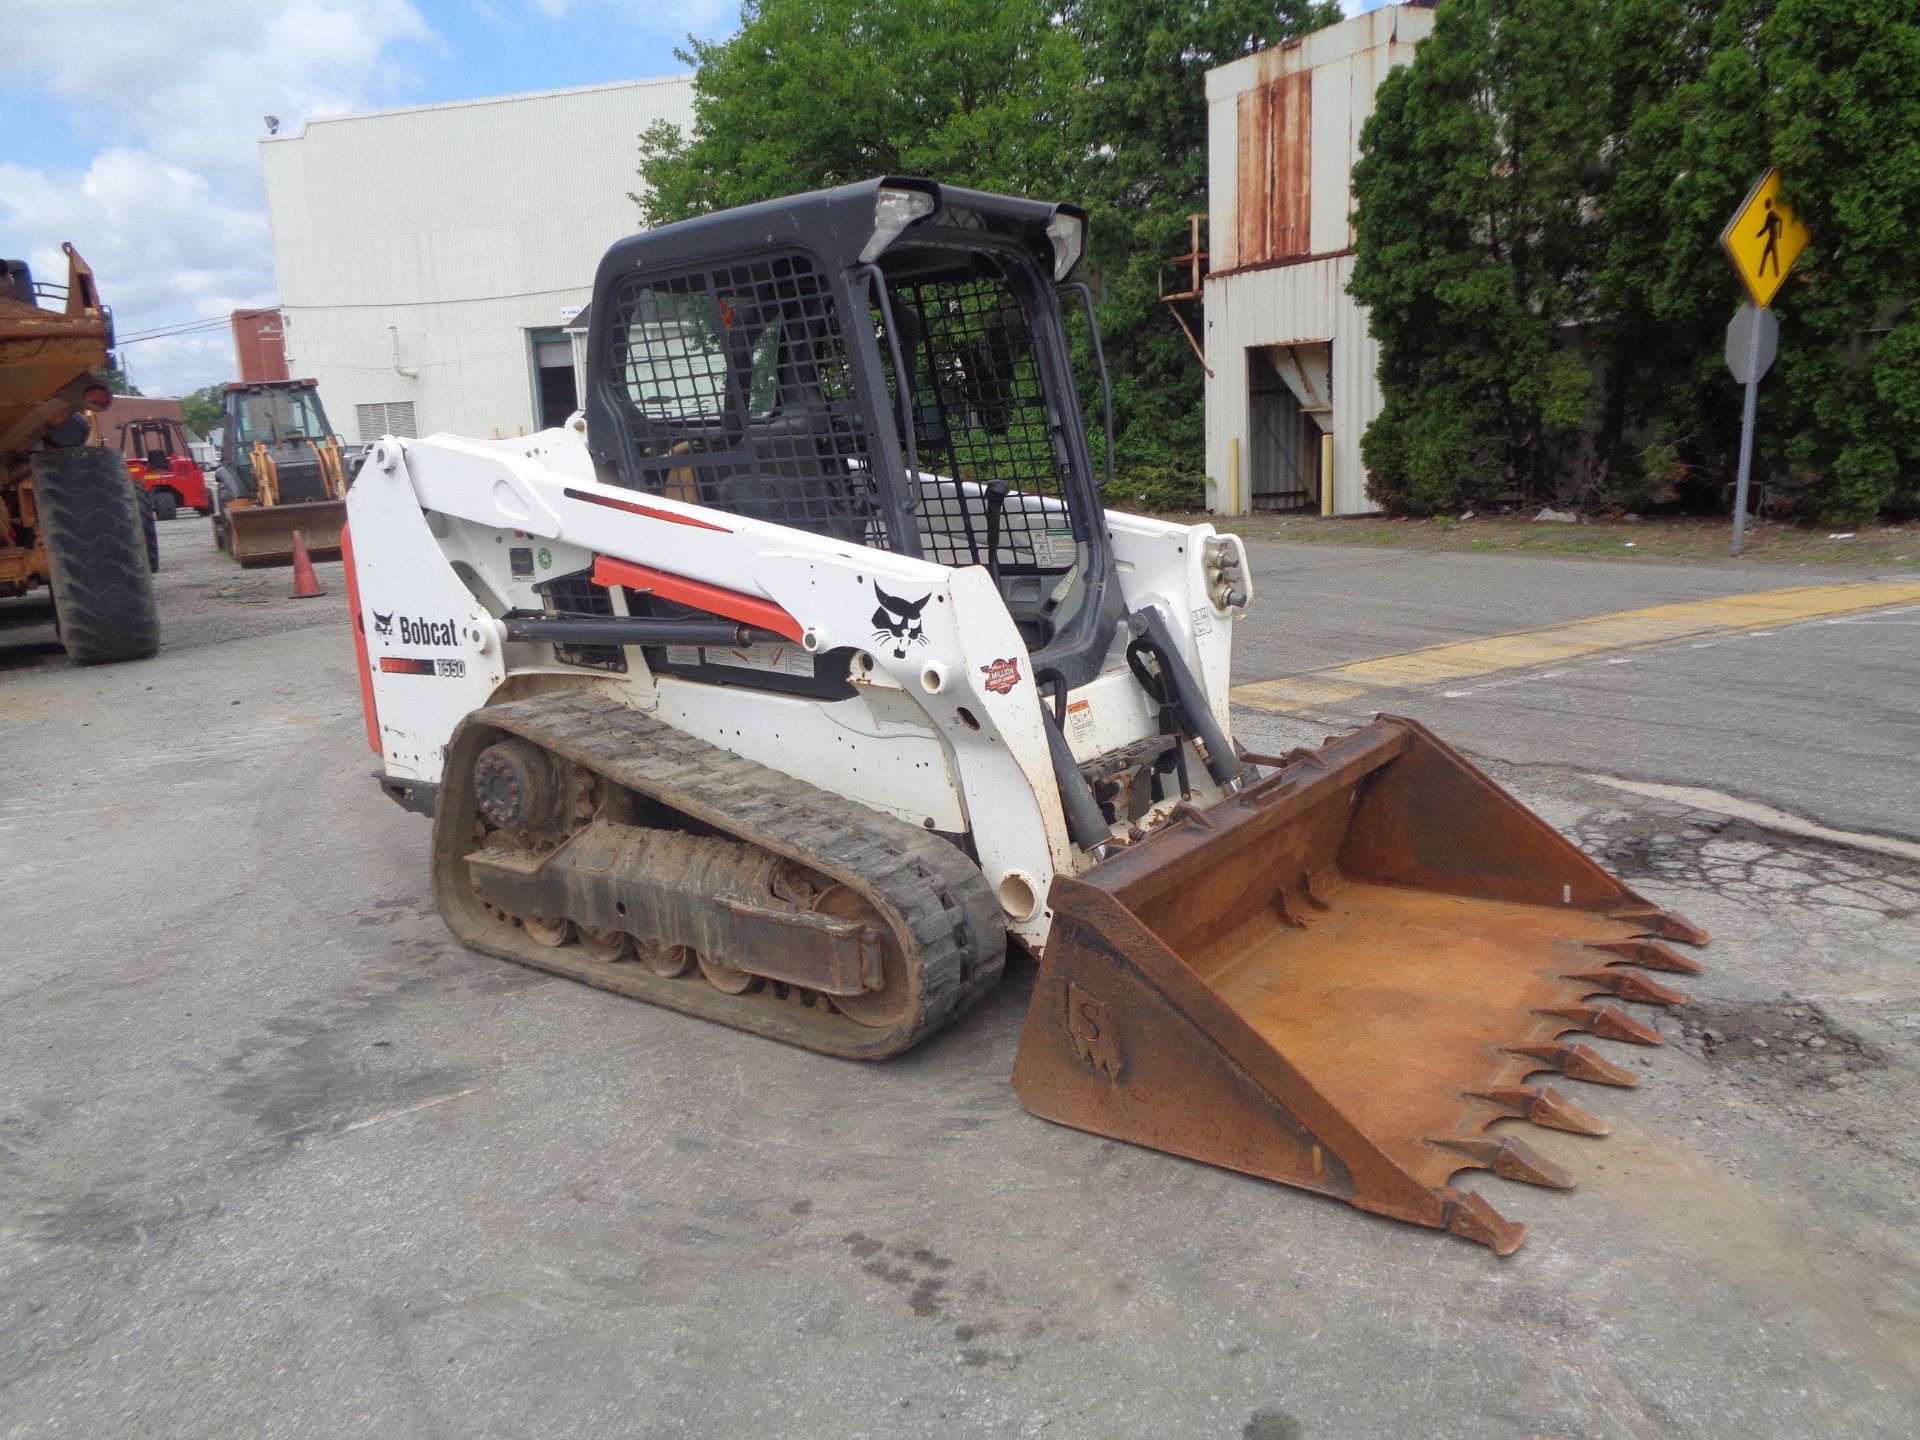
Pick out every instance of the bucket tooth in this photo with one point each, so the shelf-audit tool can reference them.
(1545, 1107)
(1578, 1062)
(1668, 924)
(1511, 1160)
(1631, 985)
(1609, 1022)
(1650, 955)
(1472, 1218)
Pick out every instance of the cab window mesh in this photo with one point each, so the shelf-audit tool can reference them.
(979, 409)
(739, 395)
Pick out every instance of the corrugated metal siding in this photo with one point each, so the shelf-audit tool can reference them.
(1290, 304)
(462, 227)
(1333, 108)
(1252, 177)
(257, 345)
(1223, 182)
(1275, 169)
(1341, 67)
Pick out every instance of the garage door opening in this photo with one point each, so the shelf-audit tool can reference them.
(555, 394)
(1289, 408)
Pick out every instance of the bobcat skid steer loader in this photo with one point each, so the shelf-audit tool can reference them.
(804, 669)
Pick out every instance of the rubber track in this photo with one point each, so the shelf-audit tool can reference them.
(939, 904)
(94, 524)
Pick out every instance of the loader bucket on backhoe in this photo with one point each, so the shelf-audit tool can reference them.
(261, 535)
(1341, 977)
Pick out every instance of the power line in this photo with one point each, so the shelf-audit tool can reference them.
(195, 327)
(422, 364)
(286, 305)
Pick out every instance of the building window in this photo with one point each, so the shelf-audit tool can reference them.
(394, 417)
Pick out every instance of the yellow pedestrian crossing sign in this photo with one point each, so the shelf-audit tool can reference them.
(1764, 239)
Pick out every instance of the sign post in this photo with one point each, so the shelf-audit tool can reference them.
(1753, 339)
(1762, 240)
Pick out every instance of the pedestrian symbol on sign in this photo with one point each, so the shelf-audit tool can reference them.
(1770, 229)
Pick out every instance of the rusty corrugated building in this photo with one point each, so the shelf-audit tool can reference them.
(259, 345)
(1292, 383)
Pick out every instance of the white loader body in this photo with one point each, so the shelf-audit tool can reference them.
(944, 727)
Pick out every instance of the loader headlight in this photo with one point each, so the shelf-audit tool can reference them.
(1069, 236)
(894, 208)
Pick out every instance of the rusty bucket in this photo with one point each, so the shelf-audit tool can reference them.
(1341, 977)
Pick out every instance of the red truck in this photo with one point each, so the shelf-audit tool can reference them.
(163, 467)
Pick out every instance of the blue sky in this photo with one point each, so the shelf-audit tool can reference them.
(135, 138)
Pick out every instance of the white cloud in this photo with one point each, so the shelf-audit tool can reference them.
(174, 94)
(192, 79)
(157, 228)
(707, 19)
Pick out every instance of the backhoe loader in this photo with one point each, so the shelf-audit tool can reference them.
(282, 469)
(803, 670)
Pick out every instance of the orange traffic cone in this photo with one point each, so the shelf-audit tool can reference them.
(306, 584)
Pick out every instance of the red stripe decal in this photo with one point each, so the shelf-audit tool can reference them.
(747, 609)
(359, 623)
(634, 507)
(399, 665)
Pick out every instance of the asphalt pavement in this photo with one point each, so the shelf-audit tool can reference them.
(279, 1158)
(1819, 719)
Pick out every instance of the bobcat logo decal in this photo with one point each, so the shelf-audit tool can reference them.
(382, 624)
(897, 621)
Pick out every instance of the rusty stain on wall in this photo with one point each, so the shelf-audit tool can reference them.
(1275, 169)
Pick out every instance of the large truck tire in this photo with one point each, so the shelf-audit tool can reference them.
(150, 529)
(94, 527)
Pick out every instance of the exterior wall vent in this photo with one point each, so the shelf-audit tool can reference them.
(394, 417)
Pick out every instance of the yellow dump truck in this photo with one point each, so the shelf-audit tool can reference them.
(70, 516)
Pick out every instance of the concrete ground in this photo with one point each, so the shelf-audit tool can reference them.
(277, 1158)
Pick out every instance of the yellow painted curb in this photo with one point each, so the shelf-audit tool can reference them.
(1574, 640)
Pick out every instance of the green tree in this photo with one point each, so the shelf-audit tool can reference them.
(1829, 91)
(1098, 101)
(115, 379)
(203, 409)
(812, 93)
(1552, 325)
(1839, 87)
(1475, 250)
(1663, 293)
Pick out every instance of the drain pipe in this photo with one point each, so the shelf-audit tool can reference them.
(393, 334)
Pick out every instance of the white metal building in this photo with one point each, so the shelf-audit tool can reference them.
(1292, 386)
(429, 258)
